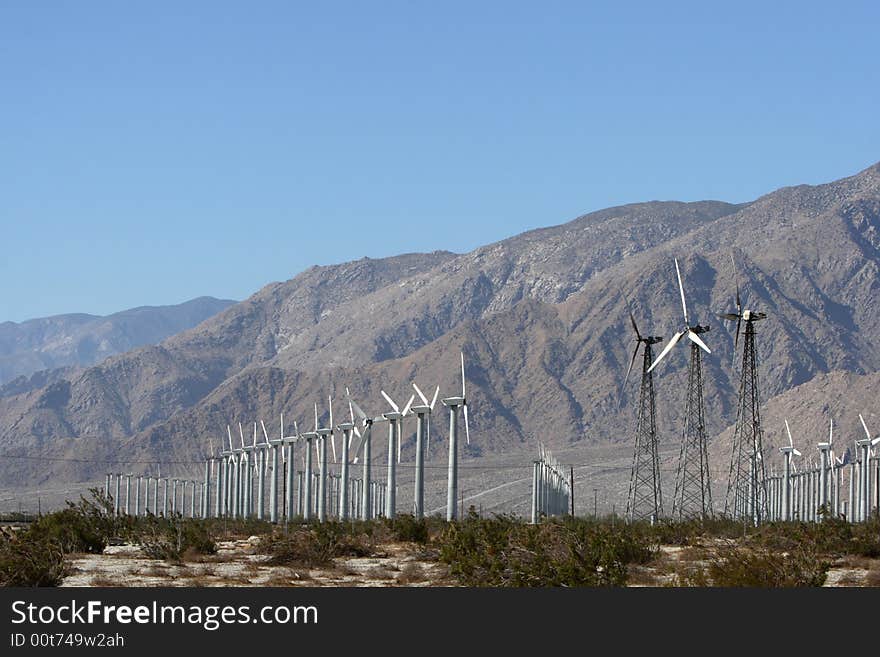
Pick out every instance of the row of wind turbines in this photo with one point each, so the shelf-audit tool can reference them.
(236, 479)
(813, 492)
(751, 494)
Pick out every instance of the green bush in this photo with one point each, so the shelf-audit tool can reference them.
(86, 526)
(866, 538)
(505, 551)
(733, 566)
(173, 538)
(29, 560)
(316, 545)
(405, 527)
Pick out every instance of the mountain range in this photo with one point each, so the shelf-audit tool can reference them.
(80, 340)
(542, 320)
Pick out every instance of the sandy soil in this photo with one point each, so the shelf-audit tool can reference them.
(237, 564)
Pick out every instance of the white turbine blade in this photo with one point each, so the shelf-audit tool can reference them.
(390, 401)
(358, 410)
(788, 431)
(428, 439)
(351, 434)
(316, 416)
(229, 433)
(265, 434)
(434, 399)
(796, 452)
(350, 411)
(241, 434)
(865, 427)
(295, 429)
(330, 403)
(360, 446)
(333, 445)
(831, 433)
(254, 442)
(408, 405)
(631, 363)
(467, 431)
(667, 349)
(463, 393)
(697, 341)
(681, 290)
(399, 441)
(875, 441)
(421, 394)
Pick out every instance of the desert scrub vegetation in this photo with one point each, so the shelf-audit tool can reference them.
(753, 566)
(316, 545)
(173, 539)
(29, 560)
(86, 526)
(505, 551)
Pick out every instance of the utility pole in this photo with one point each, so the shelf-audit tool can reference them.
(571, 492)
(595, 503)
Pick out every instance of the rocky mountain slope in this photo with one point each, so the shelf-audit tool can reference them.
(541, 319)
(81, 340)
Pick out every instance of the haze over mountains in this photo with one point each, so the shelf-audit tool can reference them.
(80, 340)
(543, 325)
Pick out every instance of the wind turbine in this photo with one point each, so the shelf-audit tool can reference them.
(364, 451)
(306, 499)
(394, 417)
(826, 459)
(645, 500)
(423, 428)
(865, 475)
(746, 495)
(347, 429)
(322, 460)
(693, 491)
(453, 404)
(786, 489)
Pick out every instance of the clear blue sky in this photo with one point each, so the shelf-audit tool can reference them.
(151, 152)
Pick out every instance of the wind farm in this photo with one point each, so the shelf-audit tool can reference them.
(504, 385)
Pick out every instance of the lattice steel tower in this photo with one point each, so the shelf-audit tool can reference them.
(746, 494)
(693, 490)
(644, 500)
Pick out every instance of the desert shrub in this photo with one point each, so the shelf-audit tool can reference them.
(30, 560)
(736, 566)
(866, 538)
(86, 526)
(688, 532)
(315, 545)
(405, 527)
(504, 551)
(831, 537)
(172, 538)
